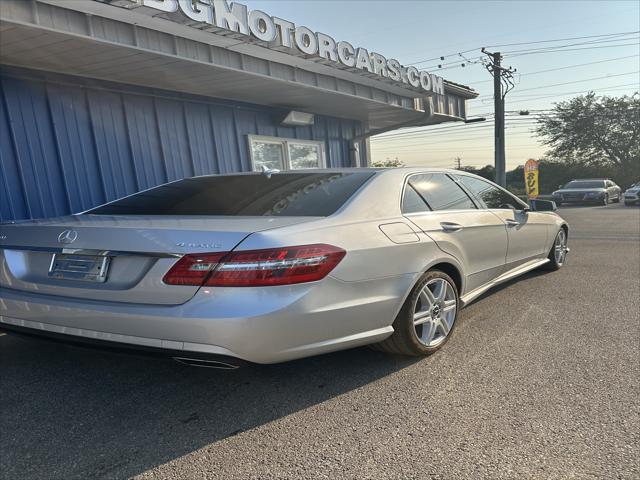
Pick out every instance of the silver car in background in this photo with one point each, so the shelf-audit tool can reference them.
(590, 190)
(216, 270)
(632, 195)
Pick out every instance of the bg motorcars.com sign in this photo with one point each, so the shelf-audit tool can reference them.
(237, 18)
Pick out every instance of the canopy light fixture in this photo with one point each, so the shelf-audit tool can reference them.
(297, 119)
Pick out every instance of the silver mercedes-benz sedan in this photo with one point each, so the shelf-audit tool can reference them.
(268, 267)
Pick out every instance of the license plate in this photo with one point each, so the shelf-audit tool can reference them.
(87, 268)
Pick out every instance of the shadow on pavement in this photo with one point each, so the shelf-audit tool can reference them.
(69, 412)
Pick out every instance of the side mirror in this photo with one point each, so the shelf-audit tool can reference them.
(543, 205)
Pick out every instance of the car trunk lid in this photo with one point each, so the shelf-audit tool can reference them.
(134, 253)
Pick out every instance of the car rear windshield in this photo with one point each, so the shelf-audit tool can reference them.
(585, 184)
(283, 194)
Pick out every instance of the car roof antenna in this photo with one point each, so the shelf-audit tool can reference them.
(267, 172)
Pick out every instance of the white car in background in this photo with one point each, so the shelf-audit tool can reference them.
(632, 194)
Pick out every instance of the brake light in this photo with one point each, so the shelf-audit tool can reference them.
(252, 268)
(193, 269)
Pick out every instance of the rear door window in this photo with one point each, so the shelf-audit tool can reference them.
(412, 202)
(440, 192)
(283, 194)
(492, 196)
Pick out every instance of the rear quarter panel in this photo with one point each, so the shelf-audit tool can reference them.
(370, 253)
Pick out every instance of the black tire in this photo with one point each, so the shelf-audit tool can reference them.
(404, 340)
(553, 264)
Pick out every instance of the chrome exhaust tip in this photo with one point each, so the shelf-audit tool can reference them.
(199, 362)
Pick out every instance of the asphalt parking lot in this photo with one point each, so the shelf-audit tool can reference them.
(540, 380)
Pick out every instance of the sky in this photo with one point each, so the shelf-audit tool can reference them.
(423, 30)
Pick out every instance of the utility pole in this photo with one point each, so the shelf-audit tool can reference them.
(498, 106)
(502, 77)
(458, 163)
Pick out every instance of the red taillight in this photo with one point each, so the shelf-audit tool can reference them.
(193, 269)
(253, 268)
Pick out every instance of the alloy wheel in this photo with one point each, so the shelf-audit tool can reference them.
(435, 312)
(560, 247)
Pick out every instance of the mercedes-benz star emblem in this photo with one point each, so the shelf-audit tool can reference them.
(68, 236)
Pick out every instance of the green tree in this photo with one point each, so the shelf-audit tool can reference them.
(595, 131)
(388, 162)
(488, 171)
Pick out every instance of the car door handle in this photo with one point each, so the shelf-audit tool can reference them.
(450, 226)
(511, 223)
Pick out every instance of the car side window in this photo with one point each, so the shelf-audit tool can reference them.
(412, 202)
(441, 192)
(493, 197)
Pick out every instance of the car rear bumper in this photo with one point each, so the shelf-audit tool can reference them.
(261, 325)
(51, 333)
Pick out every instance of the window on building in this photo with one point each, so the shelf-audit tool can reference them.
(492, 196)
(285, 153)
(268, 154)
(441, 192)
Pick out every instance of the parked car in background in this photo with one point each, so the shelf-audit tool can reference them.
(589, 190)
(632, 194)
(275, 266)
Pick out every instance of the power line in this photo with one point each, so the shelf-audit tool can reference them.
(557, 94)
(559, 50)
(460, 134)
(454, 149)
(567, 67)
(473, 61)
(435, 136)
(442, 57)
(452, 132)
(461, 63)
(607, 89)
(563, 39)
(575, 81)
(461, 128)
(571, 49)
(406, 135)
(556, 47)
(453, 143)
(431, 136)
(468, 64)
(455, 128)
(512, 122)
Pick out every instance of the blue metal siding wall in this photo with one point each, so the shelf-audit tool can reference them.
(68, 143)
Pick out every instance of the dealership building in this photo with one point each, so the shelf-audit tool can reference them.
(103, 98)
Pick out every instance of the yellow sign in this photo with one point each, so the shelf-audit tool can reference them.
(531, 178)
